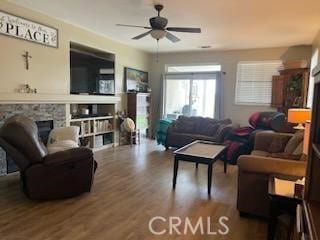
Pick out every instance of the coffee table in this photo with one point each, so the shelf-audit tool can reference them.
(203, 152)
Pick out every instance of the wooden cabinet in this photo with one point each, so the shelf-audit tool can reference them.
(139, 109)
(278, 91)
(290, 89)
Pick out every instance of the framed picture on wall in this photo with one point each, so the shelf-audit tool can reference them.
(135, 80)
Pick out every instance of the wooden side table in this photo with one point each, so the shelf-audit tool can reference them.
(280, 202)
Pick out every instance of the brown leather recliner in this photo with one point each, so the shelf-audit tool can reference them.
(46, 176)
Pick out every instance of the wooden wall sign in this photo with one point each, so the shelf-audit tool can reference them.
(22, 28)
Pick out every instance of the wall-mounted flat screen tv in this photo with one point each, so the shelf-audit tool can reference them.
(91, 71)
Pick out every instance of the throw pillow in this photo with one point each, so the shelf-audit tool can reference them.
(205, 125)
(184, 126)
(294, 142)
(61, 146)
(222, 131)
(299, 149)
(210, 129)
(225, 121)
(277, 145)
(253, 120)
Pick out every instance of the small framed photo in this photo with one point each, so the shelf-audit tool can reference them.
(106, 87)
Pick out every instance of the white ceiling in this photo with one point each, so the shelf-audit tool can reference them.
(225, 24)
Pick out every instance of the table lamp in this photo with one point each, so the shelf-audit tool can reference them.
(299, 116)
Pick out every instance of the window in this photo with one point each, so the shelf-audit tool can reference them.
(254, 82)
(314, 62)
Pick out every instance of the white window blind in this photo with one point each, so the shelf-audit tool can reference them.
(254, 82)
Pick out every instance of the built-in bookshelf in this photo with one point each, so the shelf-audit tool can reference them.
(96, 123)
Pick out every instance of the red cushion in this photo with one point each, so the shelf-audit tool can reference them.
(253, 120)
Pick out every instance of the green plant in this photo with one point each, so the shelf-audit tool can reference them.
(295, 82)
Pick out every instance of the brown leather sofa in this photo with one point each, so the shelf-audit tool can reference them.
(270, 156)
(188, 129)
(46, 176)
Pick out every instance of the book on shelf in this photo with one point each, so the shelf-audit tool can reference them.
(86, 127)
(103, 126)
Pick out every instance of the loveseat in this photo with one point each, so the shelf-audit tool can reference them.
(274, 153)
(188, 129)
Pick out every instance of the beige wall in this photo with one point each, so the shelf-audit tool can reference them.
(316, 45)
(49, 68)
(228, 60)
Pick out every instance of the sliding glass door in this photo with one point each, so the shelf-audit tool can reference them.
(189, 94)
(203, 97)
(177, 97)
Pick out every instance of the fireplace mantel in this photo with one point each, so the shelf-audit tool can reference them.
(29, 98)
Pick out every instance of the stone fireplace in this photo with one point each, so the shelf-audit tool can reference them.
(38, 112)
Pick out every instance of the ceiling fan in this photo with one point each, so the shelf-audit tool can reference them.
(159, 29)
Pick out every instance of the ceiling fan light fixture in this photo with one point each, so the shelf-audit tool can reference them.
(158, 34)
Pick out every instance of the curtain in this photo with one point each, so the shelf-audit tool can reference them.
(218, 113)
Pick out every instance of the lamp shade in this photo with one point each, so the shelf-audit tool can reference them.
(298, 115)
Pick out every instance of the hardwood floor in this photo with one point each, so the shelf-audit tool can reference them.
(132, 185)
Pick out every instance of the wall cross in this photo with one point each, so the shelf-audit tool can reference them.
(26, 57)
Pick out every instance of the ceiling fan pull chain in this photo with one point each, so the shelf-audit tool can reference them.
(157, 57)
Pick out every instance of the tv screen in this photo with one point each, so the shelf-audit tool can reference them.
(91, 74)
(79, 80)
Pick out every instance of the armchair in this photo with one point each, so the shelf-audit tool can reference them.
(271, 155)
(46, 176)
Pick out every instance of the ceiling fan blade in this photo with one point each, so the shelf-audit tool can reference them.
(182, 29)
(172, 37)
(142, 35)
(125, 25)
